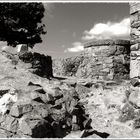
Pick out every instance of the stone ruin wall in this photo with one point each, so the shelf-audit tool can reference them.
(40, 64)
(135, 40)
(111, 58)
(106, 59)
(117, 60)
(101, 60)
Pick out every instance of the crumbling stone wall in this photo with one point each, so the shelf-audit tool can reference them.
(110, 58)
(67, 66)
(135, 40)
(41, 64)
(102, 59)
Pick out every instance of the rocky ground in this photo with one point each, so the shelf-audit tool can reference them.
(64, 107)
(35, 106)
(113, 107)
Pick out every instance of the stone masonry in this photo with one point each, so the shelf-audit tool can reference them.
(115, 59)
(135, 40)
(101, 60)
(111, 58)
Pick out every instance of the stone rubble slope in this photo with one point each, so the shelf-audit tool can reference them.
(35, 107)
(114, 107)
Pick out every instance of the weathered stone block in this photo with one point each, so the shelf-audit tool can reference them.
(106, 42)
(138, 52)
(110, 76)
(43, 111)
(24, 127)
(134, 82)
(135, 97)
(136, 123)
(108, 60)
(134, 68)
(10, 124)
(135, 24)
(134, 17)
(3, 133)
(127, 113)
(134, 38)
(135, 47)
(106, 70)
(35, 95)
(120, 50)
(134, 30)
(20, 109)
(138, 28)
(105, 50)
(134, 7)
(135, 41)
(133, 56)
(74, 119)
(138, 58)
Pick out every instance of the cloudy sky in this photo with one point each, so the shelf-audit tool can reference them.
(69, 25)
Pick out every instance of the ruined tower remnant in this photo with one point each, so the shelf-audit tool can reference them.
(101, 60)
(111, 58)
(135, 40)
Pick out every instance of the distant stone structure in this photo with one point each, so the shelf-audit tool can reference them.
(102, 59)
(111, 58)
(135, 40)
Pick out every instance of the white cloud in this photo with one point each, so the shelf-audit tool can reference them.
(108, 30)
(77, 47)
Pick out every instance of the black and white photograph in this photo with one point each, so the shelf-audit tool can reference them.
(70, 69)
